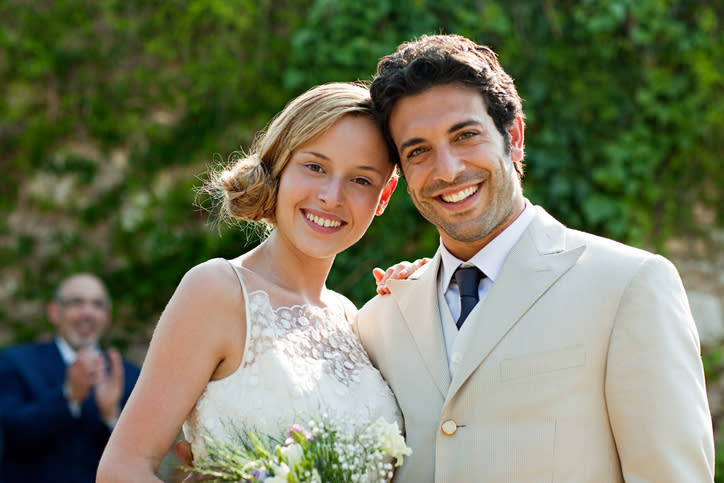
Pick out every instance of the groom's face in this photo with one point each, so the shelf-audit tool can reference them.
(459, 173)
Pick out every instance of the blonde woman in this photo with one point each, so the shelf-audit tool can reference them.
(259, 341)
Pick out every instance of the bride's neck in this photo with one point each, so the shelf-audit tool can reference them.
(290, 269)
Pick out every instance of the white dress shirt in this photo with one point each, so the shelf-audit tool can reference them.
(489, 260)
(69, 356)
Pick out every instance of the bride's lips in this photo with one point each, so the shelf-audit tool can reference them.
(323, 221)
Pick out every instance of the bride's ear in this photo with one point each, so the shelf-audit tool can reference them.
(386, 193)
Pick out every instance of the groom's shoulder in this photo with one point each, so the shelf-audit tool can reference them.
(377, 308)
(597, 246)
(402, 290)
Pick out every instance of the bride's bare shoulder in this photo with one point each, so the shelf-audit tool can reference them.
(210, 291)
(212, 276)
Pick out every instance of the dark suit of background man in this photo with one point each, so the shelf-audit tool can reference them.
(60, 399)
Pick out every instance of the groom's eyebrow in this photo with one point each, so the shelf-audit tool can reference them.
(453, 128)
(410, 142)
(462, 124)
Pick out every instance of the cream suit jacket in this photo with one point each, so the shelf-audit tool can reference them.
(583, 365)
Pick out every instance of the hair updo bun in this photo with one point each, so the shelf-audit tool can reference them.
(249, 190)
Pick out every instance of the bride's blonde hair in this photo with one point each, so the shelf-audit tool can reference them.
(248, 185)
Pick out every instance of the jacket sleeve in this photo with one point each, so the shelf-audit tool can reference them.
(655, 388)
(33, 415)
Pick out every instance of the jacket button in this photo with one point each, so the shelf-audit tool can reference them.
(449, 427)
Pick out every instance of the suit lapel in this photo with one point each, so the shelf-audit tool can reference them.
(418, 303)
(49, 358)
(534, 264)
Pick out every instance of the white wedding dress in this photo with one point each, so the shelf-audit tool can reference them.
(300, 362)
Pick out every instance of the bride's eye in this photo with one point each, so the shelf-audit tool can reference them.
(314, 167)
(361, 181)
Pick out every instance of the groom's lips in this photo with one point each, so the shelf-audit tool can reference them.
(464, 203)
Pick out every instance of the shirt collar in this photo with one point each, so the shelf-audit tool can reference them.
(490, 258)
(66, 351)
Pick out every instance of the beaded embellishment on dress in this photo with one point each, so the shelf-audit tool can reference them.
(305, 332)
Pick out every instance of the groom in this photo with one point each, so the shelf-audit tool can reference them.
(524, 351)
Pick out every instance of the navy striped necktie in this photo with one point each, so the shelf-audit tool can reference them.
(468, 279)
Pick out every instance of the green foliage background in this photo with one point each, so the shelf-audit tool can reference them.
(111, 110)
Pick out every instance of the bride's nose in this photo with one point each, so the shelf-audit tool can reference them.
(331, 192)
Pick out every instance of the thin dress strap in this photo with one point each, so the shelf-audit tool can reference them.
(247, 314)
(241, 280)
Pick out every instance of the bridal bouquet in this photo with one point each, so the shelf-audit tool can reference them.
(321, 452)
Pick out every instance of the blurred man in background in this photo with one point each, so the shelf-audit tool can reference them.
(59, 400)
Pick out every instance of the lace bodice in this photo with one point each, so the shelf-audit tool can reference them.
(299, 362)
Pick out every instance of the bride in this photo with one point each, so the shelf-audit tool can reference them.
(259, 341)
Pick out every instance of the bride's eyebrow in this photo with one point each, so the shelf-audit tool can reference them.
(362, 167)
(316, 154)
(366, 167)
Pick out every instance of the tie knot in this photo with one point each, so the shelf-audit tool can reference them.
(468, 279)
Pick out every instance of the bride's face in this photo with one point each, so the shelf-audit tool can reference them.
(331, 187)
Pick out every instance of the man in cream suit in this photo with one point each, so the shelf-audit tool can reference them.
(579, 363)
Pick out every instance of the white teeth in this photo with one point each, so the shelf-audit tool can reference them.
(460, 195)
(322, 221)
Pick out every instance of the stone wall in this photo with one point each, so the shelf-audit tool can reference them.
(701, 264)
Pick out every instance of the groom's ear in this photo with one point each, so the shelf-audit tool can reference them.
(386, 193)
(517, 144)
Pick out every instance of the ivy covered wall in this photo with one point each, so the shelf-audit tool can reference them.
(112, 110)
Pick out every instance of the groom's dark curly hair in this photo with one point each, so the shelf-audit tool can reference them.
(435, 60)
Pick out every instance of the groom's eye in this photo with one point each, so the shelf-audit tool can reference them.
(416, 152)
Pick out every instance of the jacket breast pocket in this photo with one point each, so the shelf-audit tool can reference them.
(542, 363)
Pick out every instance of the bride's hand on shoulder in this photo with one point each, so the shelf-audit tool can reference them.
(399, 271)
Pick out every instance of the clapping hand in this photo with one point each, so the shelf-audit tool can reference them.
(83, 374)
(109, 387)
(89, 371)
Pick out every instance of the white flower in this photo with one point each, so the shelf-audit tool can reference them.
(294, 453)
(280, 473)
(392, 441)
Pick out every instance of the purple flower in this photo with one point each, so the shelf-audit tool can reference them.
(295, 432)
(258, 476)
